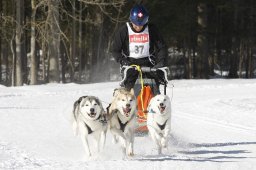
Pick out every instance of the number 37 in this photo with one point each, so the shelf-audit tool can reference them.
(139, 49)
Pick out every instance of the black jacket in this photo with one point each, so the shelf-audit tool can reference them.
(157, 47)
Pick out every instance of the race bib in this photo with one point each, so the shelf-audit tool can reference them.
(138, 43)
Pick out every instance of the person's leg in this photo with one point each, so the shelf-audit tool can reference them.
(156, 89)
(131, 77)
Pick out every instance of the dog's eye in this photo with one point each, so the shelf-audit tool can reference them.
(86, 105)
(123, 100)
(131, 100)
(158, 100)
(95, 104)
(164, 99)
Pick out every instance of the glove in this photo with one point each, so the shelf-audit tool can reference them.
(159, 65)
(160, 77)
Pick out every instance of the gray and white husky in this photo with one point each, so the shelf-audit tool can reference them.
(159, 119)
(89, 119)
(122, 112)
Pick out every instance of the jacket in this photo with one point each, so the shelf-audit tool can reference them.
(157, 48)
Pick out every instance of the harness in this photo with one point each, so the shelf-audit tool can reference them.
(122, 125)
(88, 128)
(101, 121)
(162, 126)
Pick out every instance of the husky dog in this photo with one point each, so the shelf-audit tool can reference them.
(122, 119)
(158, 120)
(89, 119)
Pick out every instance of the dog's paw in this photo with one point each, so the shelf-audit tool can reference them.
(130, 154)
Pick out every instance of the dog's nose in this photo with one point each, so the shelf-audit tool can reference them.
(161, 104)
(128, 105)
(92, 110)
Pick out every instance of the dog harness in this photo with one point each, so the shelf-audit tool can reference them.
(162, 126)
(88, 128)
(99, 118)
(122, 125)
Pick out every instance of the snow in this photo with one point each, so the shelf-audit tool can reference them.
(213, 127)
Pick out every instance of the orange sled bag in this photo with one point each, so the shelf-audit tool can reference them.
(143, 100)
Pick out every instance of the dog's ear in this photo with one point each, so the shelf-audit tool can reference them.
(132, 91)
(111, 108)
(116, 92)
(167, 97)
(98, 102)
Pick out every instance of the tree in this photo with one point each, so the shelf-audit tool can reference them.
(235, 43)
(34, 59)
(19, 39)
(202, 41)
(53, 40)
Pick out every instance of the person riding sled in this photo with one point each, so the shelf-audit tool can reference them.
(139, 43)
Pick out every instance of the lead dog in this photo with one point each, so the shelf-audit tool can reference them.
(89, 120)
(122, 119)
(158, 120)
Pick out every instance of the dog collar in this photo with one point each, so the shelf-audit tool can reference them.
(151, 111)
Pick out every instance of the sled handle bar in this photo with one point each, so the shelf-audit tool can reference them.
(146, 70)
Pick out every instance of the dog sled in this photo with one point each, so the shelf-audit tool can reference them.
(146, 88)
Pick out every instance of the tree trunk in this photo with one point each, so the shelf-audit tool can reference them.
(73, 43)
(12, 45)
(53, 41)
(1, 54)
(235, 44)
(251, 38)
(202, 58)
(33, 67)
(19, 40)
(44, 57)
(80, 41)
(190, 64)
(241, 58)
(4, 52)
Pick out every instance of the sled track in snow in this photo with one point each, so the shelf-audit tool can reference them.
(216, 122)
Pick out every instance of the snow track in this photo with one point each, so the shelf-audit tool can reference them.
(214, 122)
(213, 127)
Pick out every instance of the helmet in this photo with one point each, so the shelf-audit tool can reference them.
(139, 15)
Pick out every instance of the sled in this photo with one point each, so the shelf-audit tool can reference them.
(145, 88)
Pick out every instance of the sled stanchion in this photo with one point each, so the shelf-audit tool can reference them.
(165, 86)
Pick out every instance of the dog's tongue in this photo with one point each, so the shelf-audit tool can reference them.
(161, 109)
(126, 110)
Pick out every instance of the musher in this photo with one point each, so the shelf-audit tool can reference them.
(140, 43)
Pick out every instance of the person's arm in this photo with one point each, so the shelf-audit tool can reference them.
(160, 47)
(118, 45)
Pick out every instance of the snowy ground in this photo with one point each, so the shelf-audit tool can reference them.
(213, 127)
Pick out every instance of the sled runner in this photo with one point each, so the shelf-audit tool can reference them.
(145, 88)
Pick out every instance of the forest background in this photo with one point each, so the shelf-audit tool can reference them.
(44, 41)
